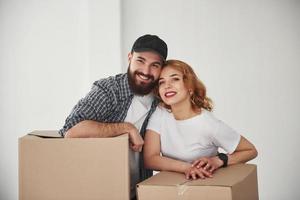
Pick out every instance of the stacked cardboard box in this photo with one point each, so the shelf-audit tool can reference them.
(54, 168)
(51, 167)
(237, 182)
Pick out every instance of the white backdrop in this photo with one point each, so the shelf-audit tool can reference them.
(246, 52)
(51, 51)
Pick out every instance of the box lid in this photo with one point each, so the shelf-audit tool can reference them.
(223, 177)
(38, 134)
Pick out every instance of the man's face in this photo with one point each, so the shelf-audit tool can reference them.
(143, 71)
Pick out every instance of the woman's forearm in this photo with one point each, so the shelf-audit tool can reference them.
(161, 163)
(241, 156)
(244, 152)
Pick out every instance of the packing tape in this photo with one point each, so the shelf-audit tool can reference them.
(181, 189)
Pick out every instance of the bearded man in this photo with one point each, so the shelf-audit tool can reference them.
(122, 103)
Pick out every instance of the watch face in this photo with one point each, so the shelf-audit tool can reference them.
(224, 158)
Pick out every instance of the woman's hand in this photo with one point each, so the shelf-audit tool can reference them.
(195, 173)
(209, 164)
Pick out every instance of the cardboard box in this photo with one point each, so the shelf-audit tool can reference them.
(51, 167)
(237, 182)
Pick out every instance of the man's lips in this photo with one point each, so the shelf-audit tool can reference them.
(145, 77)
(170, 94)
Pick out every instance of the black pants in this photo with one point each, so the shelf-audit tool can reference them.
(133, 198)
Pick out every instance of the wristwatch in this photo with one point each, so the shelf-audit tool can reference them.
(224, 158)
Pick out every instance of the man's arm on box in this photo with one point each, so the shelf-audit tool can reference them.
(89, 128)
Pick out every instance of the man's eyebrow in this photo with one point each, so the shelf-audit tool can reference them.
(140, 57)
(157, 62)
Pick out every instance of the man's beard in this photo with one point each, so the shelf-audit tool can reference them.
(142, 88)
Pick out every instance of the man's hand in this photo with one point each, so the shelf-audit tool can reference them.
(209, 164)
(135, 139)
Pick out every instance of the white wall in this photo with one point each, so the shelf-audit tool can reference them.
(245, 51)
(50, 53)
(247, 54)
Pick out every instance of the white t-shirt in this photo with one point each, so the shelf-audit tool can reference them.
(136, 115)
(190, 139)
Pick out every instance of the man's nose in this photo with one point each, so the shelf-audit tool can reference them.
(146, 69)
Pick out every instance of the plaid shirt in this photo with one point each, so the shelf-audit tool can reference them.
(108, 101)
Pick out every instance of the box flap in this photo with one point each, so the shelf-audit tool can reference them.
(46, 134)
(223, 177)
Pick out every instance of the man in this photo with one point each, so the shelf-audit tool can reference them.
(122, 103)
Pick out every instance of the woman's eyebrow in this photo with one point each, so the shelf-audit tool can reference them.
(172, 75)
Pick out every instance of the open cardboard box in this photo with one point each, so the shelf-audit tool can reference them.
(52, 167)
(237, 182)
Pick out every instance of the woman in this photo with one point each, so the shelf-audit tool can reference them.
(183, 135)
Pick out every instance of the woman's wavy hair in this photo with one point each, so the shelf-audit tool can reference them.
(192, 83)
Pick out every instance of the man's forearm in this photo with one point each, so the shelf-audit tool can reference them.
(89, 128)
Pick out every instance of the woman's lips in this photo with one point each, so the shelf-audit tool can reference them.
(170, 94)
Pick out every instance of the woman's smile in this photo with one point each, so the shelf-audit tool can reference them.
(170, 94)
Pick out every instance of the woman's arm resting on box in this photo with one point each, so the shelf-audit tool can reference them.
(244, 152)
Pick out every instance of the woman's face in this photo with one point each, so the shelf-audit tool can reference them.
(171, 87)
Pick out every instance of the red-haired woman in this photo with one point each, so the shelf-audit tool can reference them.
(183, 135)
